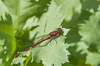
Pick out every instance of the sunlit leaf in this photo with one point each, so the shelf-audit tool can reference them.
(91, 35)
(21, 10)
(56, 53)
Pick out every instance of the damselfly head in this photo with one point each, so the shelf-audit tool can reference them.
(56, 33)
(59, 31)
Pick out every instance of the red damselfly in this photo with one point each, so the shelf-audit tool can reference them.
(51, 36)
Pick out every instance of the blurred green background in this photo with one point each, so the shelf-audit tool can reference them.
(26, 19)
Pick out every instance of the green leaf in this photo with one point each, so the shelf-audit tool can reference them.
(76, 49)
(88, 4)
(94, 56)
(7, 40)
(91, 35)
(78, 53)
(73, 23)
(48, 22)
(52, 53)
(21, 10)
(90, 31)
(67, 64)
(17, 60)
(1, 51)
(73, 36)
(3, 10)
(29, 23)
(84, 16)
(69, 7)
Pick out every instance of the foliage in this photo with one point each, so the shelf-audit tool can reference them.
(78, 44)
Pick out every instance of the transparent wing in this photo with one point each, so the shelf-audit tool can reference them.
(29, 42)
